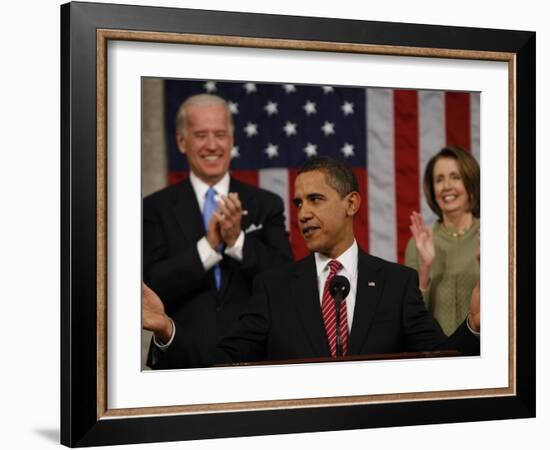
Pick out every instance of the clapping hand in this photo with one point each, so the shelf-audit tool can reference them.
(475, 313)
(154, 317)
(225, 224)
(230, 216)
(213, 233)
(423, 239)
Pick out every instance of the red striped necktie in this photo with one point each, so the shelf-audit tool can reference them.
(329, 313)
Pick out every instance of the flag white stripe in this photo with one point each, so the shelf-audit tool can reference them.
(381, 174)
(475, 112)
(431, 110)
(276, 180)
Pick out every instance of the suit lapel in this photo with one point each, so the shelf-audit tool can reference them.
(370, 285)
(187, 212)
(245, 195)
(305, 291)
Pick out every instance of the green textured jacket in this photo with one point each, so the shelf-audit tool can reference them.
(453, 276)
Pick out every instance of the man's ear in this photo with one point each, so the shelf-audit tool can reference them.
(354, 202)
(181, 143)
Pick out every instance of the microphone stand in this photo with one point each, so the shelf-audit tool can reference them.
(339, 289)
(337, 304)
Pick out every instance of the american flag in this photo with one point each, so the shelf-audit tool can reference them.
(386, 135)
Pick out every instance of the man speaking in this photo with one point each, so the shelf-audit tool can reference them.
(292, 313)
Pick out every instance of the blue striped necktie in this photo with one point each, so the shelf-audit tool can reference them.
(209, 207)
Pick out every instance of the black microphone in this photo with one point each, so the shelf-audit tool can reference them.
(339, 289)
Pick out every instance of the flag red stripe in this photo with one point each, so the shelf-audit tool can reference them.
(246, 176)
(457, 119)
(406, 163)
(176, 176)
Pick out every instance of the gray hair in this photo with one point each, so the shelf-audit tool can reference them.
(201, 99)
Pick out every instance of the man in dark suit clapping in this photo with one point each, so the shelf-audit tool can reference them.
(205, 238)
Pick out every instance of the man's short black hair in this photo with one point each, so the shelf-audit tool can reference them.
(340, 176)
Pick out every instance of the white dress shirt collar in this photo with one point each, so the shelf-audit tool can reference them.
(348, 259)
(200, 187)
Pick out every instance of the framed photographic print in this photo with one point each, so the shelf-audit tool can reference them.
(397, 94)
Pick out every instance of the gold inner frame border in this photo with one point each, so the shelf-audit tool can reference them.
(105, 35)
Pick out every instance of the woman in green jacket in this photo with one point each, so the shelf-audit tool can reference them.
(447, 256)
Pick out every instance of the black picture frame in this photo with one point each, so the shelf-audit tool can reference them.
(84, 418)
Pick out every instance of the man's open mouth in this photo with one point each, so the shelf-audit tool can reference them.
(308, 231)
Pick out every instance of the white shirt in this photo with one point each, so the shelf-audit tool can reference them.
(348, 259)
(209, 256)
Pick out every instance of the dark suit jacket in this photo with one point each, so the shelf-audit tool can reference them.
(284, 320)
(172, 226)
